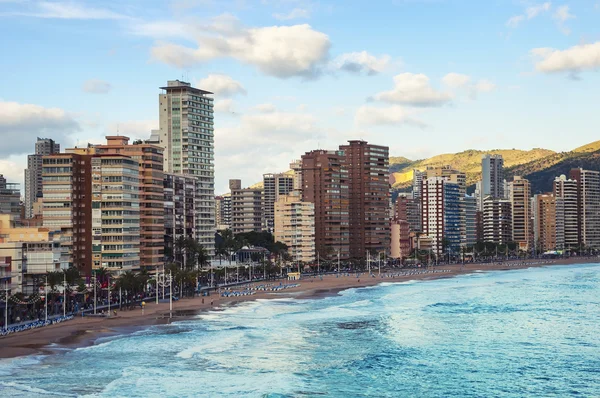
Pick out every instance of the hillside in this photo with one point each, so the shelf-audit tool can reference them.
(538, 165)
(542, 172)
(468, 161)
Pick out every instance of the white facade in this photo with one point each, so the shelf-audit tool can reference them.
(186, 134)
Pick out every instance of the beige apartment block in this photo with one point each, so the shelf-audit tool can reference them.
(295, 226)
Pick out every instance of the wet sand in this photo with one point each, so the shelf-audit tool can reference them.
(85, 331)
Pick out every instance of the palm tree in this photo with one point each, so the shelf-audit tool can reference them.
(180, 247)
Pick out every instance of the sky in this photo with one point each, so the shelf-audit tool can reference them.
(423, 77)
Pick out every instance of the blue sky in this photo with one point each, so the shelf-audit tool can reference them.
(422, 76)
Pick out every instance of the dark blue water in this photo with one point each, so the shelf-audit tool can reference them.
(518, 333)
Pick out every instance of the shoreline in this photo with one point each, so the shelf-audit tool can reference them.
(82, 332)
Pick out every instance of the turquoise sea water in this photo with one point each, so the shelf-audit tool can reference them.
(519, 333)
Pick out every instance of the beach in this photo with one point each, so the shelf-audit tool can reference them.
(85, 331)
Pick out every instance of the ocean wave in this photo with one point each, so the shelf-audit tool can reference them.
(33, 390)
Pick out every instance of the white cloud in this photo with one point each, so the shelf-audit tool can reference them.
(339, 110)
(134, 129)
(221, 85)
(22, 123)
(296, 13)
(561, 16)
(12, 169)
(459, 81)
(413, 89)
(530, 13)
(574, 59)
(514, 21)
(535, 10)
(456, 80)
(265, 108)
(95, 86)
(65, 10)
(275, 138)
(484, 86)
(280, 51)
(224, 106)
(392, 115)
(160, 29)
(357, 62)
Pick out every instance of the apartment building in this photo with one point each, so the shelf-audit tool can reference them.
(67, 192)
(246, 208)
(497, 220)
(186, 134)
(588, 206)
(274, 187)
(520, 198)
(325, 184)
(492, 181)
(33, 172)
(567, 190)
(151, 194)
(295, 226)
(182, 197)
(548, 224)
(441, 214)
(369, 197)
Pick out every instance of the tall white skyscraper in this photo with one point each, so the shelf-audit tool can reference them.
(492, 176)
(187, 136)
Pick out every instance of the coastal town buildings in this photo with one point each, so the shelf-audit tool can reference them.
(588, 206)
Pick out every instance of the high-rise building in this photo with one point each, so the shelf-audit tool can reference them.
(441, 214)
(546, 222)
(186, 134)
(295, 226)
(67, 193)
(325, 184)
(10, 198)
(479, 195)
(408, 208)
(567, 190)
(182, 198)
(450, 174)
(296, 167)
(33, 172)
(520, 198)
(468, 221)
(115, 204)
(218, 212)
(492, 181)
(274, 186)
(369, 194)
(151, 194)
(497, 220)
(588, 206)
(417, 182)
(246, 208)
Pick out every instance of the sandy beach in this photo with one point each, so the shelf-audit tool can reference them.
(84, 331)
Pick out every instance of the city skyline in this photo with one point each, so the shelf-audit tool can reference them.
(341, 82)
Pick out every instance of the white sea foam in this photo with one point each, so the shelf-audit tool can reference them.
(32, 390)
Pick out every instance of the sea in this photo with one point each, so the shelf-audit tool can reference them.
(519, 333)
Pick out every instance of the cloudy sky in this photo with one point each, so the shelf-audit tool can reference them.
(421, 76)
